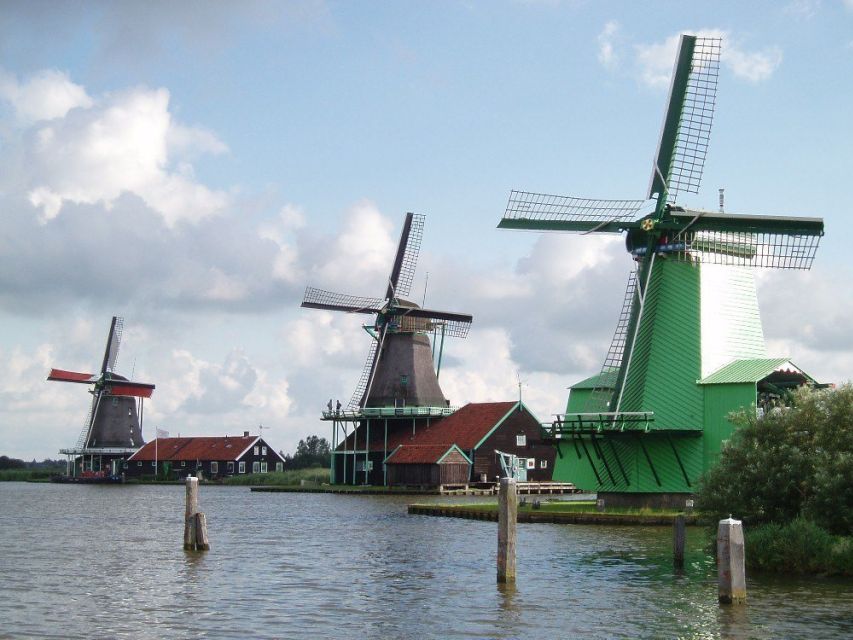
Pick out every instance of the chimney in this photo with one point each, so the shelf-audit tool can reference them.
(245, 434)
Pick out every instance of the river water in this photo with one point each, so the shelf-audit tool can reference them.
(107, 562)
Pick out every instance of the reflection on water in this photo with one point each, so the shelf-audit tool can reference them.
(109, 561)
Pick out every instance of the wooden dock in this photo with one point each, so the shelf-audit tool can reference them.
(473, 513)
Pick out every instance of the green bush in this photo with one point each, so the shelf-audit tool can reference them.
(792, 462)
(799, 546)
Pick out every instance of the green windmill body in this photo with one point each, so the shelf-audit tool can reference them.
(688, 348)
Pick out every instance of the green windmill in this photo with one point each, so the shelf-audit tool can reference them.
(688, 347)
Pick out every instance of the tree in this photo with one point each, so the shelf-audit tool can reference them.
(793, 461)
(312, 451)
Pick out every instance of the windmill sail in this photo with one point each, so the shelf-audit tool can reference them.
(406, 259)
(686, 130)
(331, 301)
(543, 212)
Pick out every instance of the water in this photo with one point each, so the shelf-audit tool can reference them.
(107, 561)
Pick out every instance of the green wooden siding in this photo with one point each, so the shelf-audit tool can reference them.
(720, 401)
(665, 364)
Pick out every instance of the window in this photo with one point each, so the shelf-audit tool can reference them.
(183, 463)
(531, 463)
(543, 464)
(229, 467)
(242, 466)
(279, 466)
(521, 440)
(214, 467)
(153, 463)
(139, 463)
(256, 450)
(256, 467)
(263, 451)
(263, 467)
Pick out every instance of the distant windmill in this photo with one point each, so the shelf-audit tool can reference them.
(688, 309)
(113, 421)
(399, 369)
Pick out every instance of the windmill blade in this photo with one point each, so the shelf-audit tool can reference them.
(747, 240)
(543, 212)
(330, 301)
(128, 388)
(113, 344)
(60, 375)
(686, 129)
(455, 324)
(406, 259)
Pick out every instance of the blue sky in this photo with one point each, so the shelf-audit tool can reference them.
(192, 166)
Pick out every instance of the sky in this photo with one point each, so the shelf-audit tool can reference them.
(192, 166)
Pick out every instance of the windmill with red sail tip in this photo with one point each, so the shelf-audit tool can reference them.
(399, 370)
(113, 426)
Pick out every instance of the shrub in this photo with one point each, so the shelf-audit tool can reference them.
(801, 546)
(790, 462)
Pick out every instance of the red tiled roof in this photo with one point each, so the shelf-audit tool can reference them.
(199, 448)
(465, 428)
(418, 453)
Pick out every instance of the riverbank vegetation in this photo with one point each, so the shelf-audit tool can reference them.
(789, 476)
(290, 477)
(13, 469)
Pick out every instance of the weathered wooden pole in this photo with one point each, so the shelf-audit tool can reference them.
(731, 569)
(507, 522)
(679, 535)
(195, 524)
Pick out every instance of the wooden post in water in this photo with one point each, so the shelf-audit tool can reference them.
(679, 535)
(195, 523)
(731, 570)
(507, 522)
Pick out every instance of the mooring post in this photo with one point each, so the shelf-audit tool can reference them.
(507, 522)
(195, 523)
(679, 534)
(731, 570)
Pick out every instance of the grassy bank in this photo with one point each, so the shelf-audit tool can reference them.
(316, 475)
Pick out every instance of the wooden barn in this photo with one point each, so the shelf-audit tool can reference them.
(477, 429)
(207, 457)
(427, 465)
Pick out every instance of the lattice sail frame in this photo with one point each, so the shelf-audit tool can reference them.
(449, 328)
(341, 301)
(697, 117)
(525, 205)
(410, 256)
(734, 248)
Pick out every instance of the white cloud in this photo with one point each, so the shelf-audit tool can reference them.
(656, 61)
(74, 149)
(607, 55)
(46, 95)
(802, 8)
(360, 256)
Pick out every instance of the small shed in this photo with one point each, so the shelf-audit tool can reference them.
(428, 464)
(756, 384)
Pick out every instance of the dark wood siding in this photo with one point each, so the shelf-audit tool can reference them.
(504, 439)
